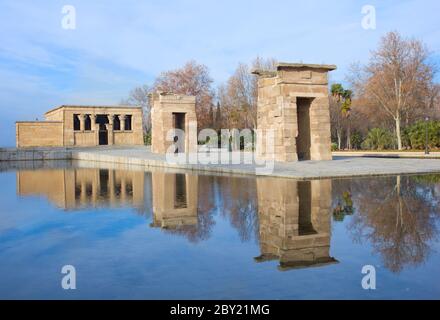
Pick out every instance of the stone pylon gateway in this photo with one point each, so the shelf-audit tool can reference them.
(293, 103)
(171, 111)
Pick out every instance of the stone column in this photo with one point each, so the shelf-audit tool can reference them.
(81, 121)
(95, 128)
(93, 122)
(122, 119)
(110, 129)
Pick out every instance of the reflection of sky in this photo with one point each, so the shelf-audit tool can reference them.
(119, 45)
(118, 255)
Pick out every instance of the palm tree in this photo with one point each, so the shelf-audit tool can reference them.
(345, 109)
(344, 99)
(337, 91)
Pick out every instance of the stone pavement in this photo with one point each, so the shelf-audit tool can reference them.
(387, 154)
(339, 167)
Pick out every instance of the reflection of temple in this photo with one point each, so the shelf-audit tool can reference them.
(77, 188)
(174, 200)
(293, 217)
(294, 221)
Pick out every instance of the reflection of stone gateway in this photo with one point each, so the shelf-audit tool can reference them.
(175, 197)
(294, 221)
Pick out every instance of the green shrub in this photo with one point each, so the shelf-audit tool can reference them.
(405, 137)
(416, 134)
(343, 209)
(356, 140)
(334, 146)
(378, 139)
(147, 138)
(427, 179)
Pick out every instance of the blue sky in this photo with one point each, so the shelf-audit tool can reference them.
(118, 45)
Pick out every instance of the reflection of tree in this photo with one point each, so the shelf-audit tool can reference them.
(239, 203)
(343, 207)
(429, 186)
(397, 216)
(197, 232)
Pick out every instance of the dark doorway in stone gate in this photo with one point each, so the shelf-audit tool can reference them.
(303, 141)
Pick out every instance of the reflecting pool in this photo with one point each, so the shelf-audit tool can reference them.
(162, 234)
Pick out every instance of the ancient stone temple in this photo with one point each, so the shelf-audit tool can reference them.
(83, 126)
(169, 112)
(293, 102)
(295, 222)
(175, 200)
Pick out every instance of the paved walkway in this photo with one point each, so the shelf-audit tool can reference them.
(339, 167)
(388, 154)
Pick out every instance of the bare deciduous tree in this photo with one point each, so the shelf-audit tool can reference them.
(139, 97)
(191, 79)
(238, 97)
(398, 79)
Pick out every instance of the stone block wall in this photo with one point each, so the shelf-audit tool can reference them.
(39, 134)
(84, 138)
(125, 138)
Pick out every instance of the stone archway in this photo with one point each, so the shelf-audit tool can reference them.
(293, 103)
(170, 112)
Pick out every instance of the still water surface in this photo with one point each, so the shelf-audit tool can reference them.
(176, 235)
